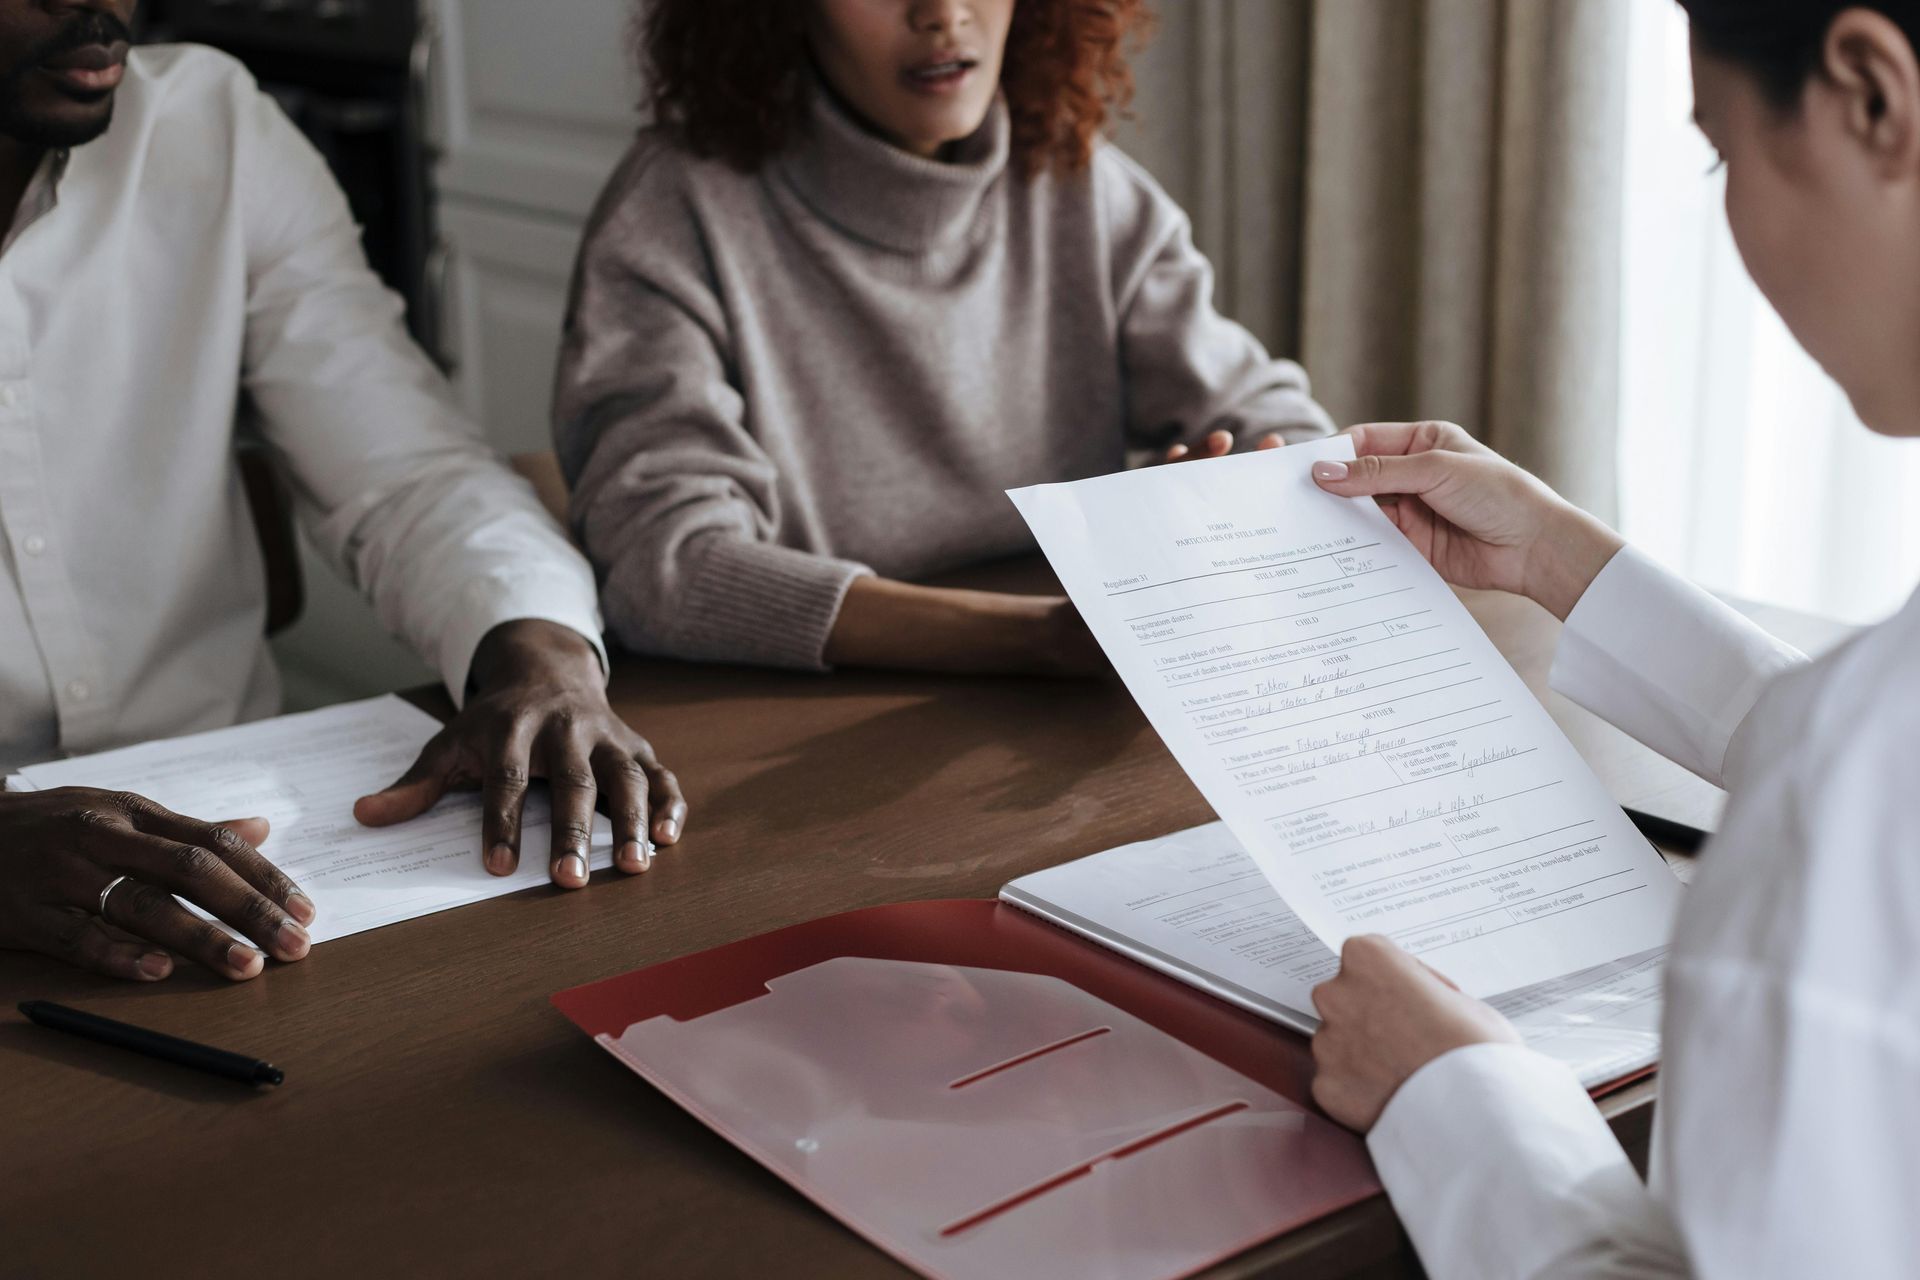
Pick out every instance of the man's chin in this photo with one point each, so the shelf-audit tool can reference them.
(69, 125)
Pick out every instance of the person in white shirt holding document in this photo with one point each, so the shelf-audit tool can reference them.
(172, 243)
(1788, 1137)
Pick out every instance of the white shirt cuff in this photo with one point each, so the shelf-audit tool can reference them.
(1499, 1164)
(1671, 665)
(490, 602)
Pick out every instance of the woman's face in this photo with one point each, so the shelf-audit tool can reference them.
(1824, 201)
(922, 73)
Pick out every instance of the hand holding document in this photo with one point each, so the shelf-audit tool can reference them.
(1371, 750)
(303, 773)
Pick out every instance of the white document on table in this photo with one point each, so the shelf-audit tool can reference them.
(302, 773)
(1194, 906)
(1343, 713)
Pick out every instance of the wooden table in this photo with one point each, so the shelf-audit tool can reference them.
(441, 1119)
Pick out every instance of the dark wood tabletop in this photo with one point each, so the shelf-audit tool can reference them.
(440, 1118)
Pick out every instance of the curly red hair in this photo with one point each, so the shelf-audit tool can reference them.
(729, 76)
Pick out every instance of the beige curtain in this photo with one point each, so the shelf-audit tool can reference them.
(1420, 199)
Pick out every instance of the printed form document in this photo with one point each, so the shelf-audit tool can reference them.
(1373, 753)
(302, 773)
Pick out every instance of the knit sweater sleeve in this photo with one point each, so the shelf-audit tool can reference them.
(1188, 369)
(673, 498)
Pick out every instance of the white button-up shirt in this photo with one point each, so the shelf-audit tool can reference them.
(198, 251)
(1787, 1141)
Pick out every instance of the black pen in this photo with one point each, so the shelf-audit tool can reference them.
(234, 1066)
(1682, 838)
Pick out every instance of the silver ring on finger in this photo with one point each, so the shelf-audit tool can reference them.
(111, 886)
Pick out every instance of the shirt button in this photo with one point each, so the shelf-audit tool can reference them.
(34, 545)
(79, 690)
(8, 397)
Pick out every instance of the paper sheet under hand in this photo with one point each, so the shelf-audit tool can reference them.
(303, 772)
(1344, 714)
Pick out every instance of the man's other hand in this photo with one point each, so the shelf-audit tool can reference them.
(540, 710)
(91, 877)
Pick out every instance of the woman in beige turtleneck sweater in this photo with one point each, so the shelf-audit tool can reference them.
(873, 267)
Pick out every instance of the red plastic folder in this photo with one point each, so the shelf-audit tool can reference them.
(981, 1094)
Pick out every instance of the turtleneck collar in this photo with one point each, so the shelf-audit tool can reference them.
(889, 197)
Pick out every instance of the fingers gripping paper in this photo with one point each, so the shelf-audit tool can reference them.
(1330, 696)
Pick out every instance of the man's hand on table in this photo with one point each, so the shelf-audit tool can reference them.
(90, 877)
(539, 710)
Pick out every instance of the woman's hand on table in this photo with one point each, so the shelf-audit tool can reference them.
(91, 877)
(539, 710)
(1479, 519)
(1382, 1018)
(1068, 647)
(904, 626)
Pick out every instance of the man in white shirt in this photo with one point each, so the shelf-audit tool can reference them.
(173, 245)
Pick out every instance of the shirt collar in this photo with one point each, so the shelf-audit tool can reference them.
(889, 197)
(41, 195)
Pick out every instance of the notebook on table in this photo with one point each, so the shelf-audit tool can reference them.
(1194, 906)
